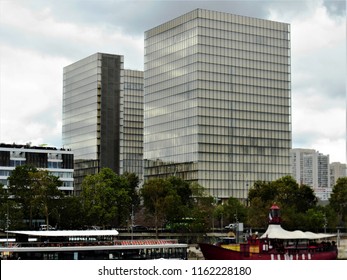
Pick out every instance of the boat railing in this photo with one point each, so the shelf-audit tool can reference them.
(93, 243)
(312, 248)
(59, 244)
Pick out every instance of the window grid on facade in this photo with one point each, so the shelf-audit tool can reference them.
(217, 96)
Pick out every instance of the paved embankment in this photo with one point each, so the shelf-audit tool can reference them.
(343, 249)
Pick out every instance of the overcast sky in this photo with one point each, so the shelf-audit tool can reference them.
(39, 37)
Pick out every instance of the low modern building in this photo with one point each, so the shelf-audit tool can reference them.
(58, 162)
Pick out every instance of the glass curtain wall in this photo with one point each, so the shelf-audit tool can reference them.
(132, 132)
(92, 113)
(217, 101)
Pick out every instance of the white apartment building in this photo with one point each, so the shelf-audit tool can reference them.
(337, 170)
(311, 168)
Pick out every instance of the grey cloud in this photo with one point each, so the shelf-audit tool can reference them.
(135, 17)
(323, 71)
(130, 17)
(336, 7)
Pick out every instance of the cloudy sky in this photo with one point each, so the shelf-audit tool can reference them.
(39, 37)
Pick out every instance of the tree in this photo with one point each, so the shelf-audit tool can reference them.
(305, 198)
(11, 216)
(265, 190)
(3, 207)
(287, 190)
(315, 219)
(160, 200)
(261, 196)
(21, 189)
(70, 213)
(234, 211)
(293, 199)
(45, 188)
(202, 208)
(182, 188)
(132, 188)
(183, 206)
(338, 199)
(218, 213)
(257, 213)
(105, 198)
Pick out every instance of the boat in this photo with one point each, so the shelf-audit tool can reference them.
(87, 245)
(275, 244)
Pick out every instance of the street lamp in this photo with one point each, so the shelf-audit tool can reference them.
(132, 221)
(7, 225)
(237, 227)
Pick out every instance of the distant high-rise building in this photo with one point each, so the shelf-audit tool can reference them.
(311, 168)
(337, 170)
(96, 110)
(218, 101)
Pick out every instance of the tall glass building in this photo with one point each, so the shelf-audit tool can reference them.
(132, 126)
(218, 101)
(96, 110)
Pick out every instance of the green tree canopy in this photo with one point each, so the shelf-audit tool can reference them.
(11, 215)
(235, 211)
(47, 194)
(70, 213)
(183, 206)
(160, 200)
(105, 198)
(182, 189)
(33, 192)
(21, 189)
(293, 199)
(132, 188)
(338, 200)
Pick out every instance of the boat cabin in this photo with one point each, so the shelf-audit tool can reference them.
(87, 245)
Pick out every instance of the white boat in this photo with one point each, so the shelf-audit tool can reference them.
(87, 245)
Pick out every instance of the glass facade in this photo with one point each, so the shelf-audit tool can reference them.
(217, 101)
(132, 126)
(103, 115)
(92, 100)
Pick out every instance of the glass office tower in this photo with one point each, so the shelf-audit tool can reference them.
(132, 126)
(97, 108)
(217, 101)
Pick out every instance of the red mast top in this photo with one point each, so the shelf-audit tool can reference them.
(274, 215)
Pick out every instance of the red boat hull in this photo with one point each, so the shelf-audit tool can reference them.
(213, 252)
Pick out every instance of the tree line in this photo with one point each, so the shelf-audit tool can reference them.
(108, 200)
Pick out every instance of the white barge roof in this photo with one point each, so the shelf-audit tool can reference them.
(277, 232)
(71, 233)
